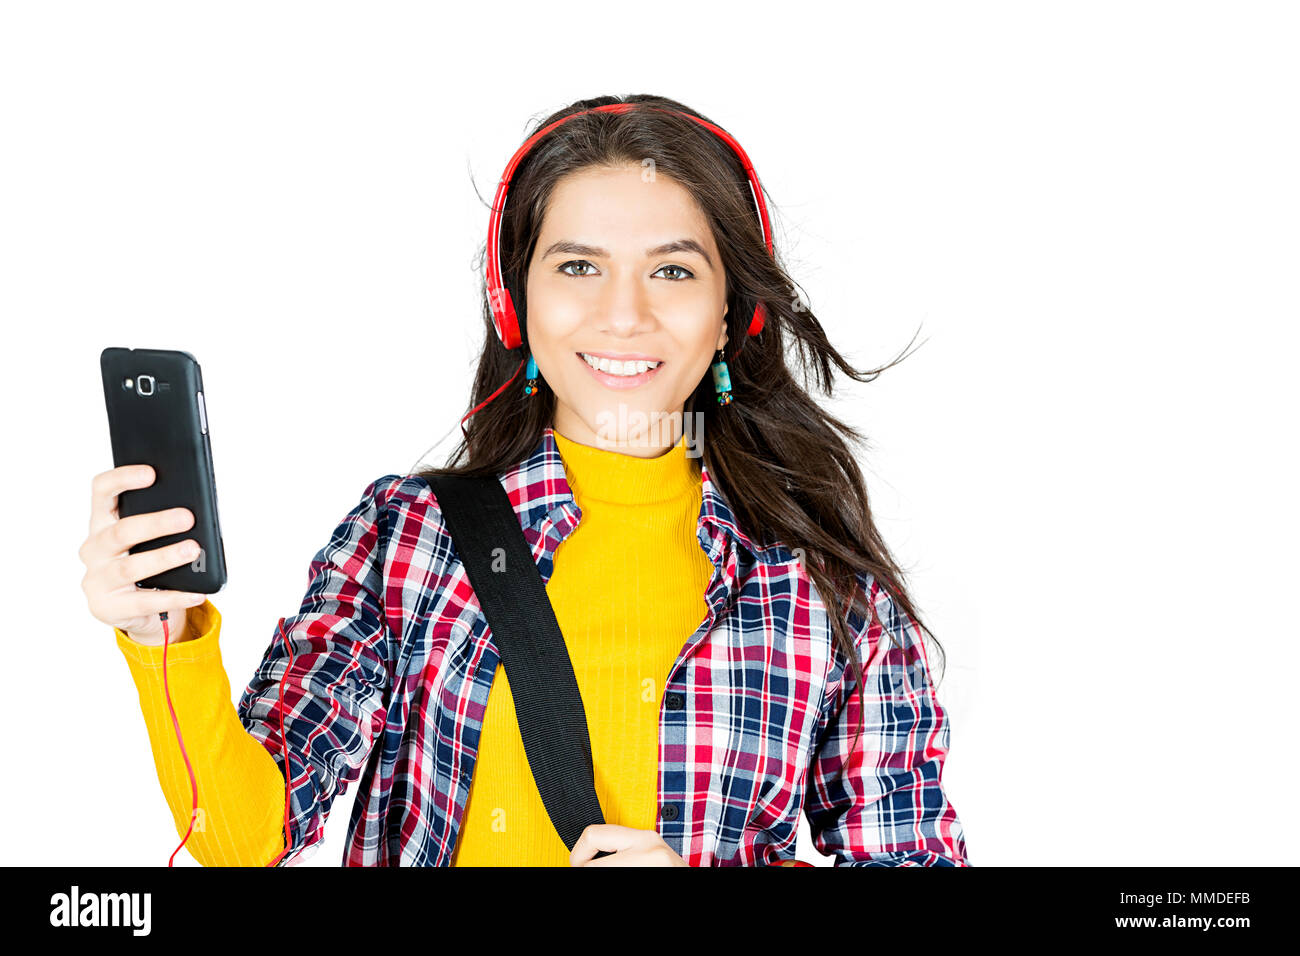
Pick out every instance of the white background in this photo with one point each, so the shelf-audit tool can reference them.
(1090, 210)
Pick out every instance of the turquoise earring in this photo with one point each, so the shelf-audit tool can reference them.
(722, 379)
(530, 387)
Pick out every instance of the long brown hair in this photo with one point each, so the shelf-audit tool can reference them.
(782, 460)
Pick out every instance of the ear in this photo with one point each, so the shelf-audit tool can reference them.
(722, 338)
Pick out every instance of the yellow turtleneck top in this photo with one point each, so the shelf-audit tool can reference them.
(628, 590)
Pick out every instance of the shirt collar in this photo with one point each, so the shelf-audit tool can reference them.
(537, 486)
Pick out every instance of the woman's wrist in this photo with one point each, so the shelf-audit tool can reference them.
(178, 628)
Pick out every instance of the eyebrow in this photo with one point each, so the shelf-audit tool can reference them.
(568, 247)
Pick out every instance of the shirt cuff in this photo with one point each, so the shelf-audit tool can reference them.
(203, 620)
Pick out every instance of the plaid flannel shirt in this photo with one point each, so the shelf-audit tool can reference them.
(393, 661)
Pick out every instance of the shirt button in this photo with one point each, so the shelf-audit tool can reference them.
(675, 701)
(668, 811)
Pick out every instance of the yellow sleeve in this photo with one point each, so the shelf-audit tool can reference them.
(240, 819)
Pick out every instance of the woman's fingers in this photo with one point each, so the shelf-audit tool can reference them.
(105, 488)
(125, 533)
(112, 572)
(132, 568)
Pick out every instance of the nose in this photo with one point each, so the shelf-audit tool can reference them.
(623, 307)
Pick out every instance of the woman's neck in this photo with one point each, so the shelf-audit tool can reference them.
(663, 433)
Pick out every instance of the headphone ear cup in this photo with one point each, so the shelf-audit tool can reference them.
(756, 323)
(504, 319)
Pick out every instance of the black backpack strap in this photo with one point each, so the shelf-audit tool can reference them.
(548, 705)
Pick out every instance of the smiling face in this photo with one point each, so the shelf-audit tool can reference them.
(624, 269)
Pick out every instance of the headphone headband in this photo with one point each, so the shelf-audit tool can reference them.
(503, 309)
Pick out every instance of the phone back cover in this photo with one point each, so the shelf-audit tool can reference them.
(164, 430)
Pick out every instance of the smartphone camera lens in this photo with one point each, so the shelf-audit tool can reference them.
(144, 385)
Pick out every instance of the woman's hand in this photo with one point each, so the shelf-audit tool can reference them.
(112, 571)
(628, 847)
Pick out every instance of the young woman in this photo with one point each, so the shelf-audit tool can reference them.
(744, 644)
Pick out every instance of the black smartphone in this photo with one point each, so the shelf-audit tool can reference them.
(157, 417)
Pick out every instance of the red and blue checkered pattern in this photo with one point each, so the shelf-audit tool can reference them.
(393, 661)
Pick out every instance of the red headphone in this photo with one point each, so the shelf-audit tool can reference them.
(503, 309)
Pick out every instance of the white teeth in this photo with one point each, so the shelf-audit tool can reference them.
(615, 367)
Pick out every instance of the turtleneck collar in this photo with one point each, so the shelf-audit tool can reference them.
(602, 474)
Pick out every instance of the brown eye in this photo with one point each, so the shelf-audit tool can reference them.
(574, 262)
(688, 274)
